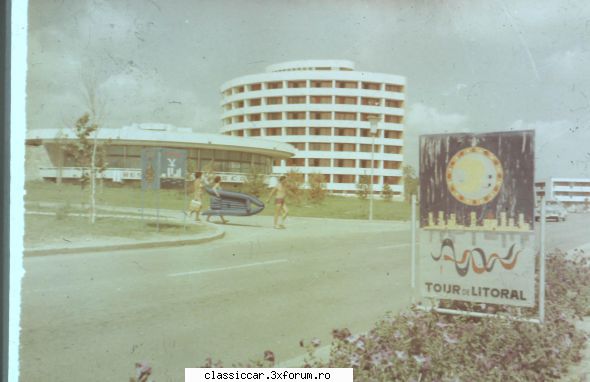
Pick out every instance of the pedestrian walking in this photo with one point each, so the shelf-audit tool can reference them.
(280, 202)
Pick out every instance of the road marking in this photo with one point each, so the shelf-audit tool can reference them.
(228, 268)
(394, 246)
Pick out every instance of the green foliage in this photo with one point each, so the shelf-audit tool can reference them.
(294, 186)
(83, 148)
(411, 182)
(387, 193)
(255, 184)
(362, 187)
(317, 188)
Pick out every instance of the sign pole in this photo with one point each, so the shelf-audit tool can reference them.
(184, 202)
(413, 245)
(542, 265)
(158, 191)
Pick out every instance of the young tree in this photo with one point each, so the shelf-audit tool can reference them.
(410, 182)
(89, 155)
(317, 188)
(362, 187)
(387, 193)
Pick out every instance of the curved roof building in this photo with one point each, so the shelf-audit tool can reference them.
(322, 108)
(230, 157)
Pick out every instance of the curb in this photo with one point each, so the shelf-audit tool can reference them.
(126, 246)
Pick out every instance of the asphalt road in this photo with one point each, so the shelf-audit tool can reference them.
(92, 316)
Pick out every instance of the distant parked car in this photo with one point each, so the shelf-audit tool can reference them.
(553, 211)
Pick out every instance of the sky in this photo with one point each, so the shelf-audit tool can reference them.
(470, 66)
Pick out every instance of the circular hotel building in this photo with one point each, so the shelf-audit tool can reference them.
(323, 108)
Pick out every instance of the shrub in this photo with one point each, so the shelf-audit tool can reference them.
(387, 193)
(362, 187)
(317, 188)
(255, 184)
(294, 185)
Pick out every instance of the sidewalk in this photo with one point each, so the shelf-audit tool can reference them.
(250, 228)
(98, 244)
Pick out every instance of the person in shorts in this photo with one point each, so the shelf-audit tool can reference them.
(280, 203)
(216, 188)
(196, 203)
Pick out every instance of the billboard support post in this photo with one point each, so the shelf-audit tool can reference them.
(542, 264)
(413, 246)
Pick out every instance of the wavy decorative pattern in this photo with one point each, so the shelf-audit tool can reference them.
(468, 258)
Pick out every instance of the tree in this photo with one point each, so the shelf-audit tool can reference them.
(294, 185)
(362, 187)
(89, 155)
(317, 188)
(255, 183)
(387, 193)
(410, 182)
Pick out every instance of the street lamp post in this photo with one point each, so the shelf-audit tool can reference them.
(374, 120)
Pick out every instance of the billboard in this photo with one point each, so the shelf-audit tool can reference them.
(162, 166)
(477, 217)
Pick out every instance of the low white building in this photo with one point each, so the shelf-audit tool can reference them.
(568, 191)
(230, 157)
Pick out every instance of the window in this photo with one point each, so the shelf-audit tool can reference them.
(367, 133)
(344, 163)
(238, 104)
(391, 180)
(371, 86)
(320, 131)
(392, 149)
(240, 133)
(296, 100)
(274, 116)
(255, 87)
(346, 100)
(274, 85)
(314, 162)
(253, 117)
(393, 134)
(366, 116)
(393, 118)
(367, 148)
(296, 84)
(391, 165)
(295, 130)
(315, 146)
(344, 147)
(341, 116)
(273, 131)
(274, 100)
(347, 84)
(298, 145)
(254, 102)
(296, 115)
(320, 115)
(343, 178)
(321, 84)
(239, 119)
(239, 89)
(321, 99)
(295, 162)
(394, 88)
(370, 101)
(254, 132)
(345, 132)
(367, 164)
(394, 103)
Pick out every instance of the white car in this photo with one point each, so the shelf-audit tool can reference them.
(552, 212)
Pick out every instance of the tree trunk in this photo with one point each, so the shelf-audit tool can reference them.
(93, 183)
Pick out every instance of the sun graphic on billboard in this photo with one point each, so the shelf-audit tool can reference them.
(474, 176)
